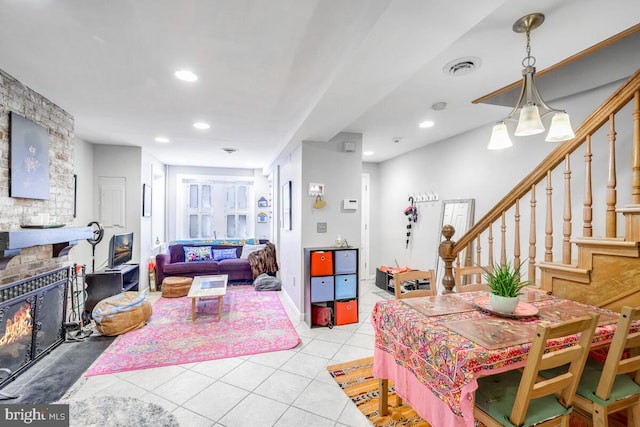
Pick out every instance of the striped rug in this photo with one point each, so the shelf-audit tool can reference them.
(356, 380)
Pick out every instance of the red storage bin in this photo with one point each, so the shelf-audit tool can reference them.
(346, 312)
(322, 263)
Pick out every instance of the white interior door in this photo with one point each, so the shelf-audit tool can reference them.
(112, 201)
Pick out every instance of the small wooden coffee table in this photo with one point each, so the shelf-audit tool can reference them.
(207, 287)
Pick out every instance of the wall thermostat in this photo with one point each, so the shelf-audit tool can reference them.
(350, 204)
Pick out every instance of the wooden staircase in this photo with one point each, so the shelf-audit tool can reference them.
(607, 274)
(601, 271)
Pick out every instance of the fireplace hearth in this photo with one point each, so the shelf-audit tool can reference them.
(31, 320)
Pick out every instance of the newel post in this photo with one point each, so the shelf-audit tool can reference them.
(445, 250)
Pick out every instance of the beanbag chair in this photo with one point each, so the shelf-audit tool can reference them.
(121, 313)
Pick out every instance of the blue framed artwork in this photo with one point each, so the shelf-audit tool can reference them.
(29, 158)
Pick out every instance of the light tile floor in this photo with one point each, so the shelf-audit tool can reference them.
(284, 388)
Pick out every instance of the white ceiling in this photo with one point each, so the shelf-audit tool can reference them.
(273, 73)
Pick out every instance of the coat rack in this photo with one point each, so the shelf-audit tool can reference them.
(422, 197)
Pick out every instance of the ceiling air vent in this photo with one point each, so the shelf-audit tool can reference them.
(462, 66)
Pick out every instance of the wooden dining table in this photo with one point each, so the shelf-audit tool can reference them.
(435, 348)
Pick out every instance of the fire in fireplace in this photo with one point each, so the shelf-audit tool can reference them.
(17, 327)
(31, 320)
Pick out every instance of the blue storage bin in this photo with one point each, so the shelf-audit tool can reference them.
(322, 288)
(346, 286)
(346, 262)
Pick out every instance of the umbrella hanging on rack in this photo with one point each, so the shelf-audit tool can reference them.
(411, 212)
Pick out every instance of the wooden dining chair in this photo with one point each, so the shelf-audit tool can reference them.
(414, 276)
(613, 386)
(469, 279)
(522, 398)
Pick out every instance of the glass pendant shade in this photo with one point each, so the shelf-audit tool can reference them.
(529, 122)
(560, 129)
(499, 137)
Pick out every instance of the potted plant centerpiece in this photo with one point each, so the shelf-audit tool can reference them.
(505, 283)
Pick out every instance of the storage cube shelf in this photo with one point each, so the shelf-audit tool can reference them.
(331, 280)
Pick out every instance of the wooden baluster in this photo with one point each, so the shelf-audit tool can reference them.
(503, 240)
(468, 255)
(548, 229)
(532, 237)
(478, 259)
(635, 174)
(516, 237)
(491, 246)
(445, 250)
(587, 210)
(612, 196)
(566, 226)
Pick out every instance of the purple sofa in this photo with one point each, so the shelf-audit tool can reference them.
(174, 264)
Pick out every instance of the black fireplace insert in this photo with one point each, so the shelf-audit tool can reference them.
(31, 320)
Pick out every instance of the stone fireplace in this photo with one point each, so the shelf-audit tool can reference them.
(34, 267)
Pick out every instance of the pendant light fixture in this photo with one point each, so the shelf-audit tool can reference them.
(530, 106)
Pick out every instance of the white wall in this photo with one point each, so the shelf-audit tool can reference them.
(262, 188)
(341, 174)
(120, 161)
(148, 248)
(462, 168)
(83, 168)
(289, 242)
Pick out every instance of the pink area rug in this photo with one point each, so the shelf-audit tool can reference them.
(252, 322)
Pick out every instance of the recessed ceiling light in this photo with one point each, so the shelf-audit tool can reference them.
(186, 75)
(426, 124)
(368, 153)
(162, 139)
(201, 125)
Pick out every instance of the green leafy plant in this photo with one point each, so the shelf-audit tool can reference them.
(504, 280)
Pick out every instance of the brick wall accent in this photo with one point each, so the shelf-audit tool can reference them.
(16, 97)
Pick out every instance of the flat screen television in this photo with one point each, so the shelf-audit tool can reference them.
(120, 250)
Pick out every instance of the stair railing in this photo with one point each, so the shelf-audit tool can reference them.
(482, 231)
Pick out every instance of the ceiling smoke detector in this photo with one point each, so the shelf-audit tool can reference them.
(462, 66)
(230, 150)
(396, 139)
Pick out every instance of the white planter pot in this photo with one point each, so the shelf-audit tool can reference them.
(503, 304)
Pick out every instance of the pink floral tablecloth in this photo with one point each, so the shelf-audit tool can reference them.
(444, 365)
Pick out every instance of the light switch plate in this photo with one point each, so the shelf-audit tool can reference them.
(321, 227)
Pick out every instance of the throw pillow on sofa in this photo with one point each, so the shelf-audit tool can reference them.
(220, 254)
(197, 253)
(247, 249)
